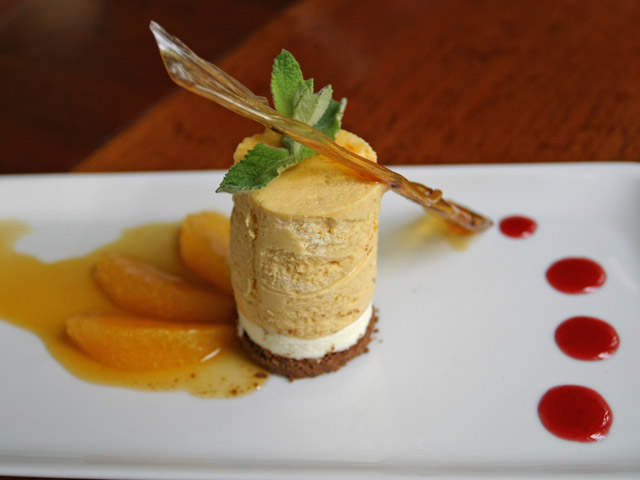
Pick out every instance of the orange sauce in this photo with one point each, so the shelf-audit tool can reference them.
(428, 229)
(39, 296)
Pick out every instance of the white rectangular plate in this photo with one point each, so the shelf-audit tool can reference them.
(452, 389)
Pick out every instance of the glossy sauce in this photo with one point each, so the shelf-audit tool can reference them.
(426, 232)
(576, 275)
(576, 413)
(587, 338)
(518, 226)
(39, 296)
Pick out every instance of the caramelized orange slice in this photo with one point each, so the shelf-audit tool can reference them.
(131, 343)
(142, 289)
(204, 247)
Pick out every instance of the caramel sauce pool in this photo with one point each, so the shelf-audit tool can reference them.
(430, 228)
(39, 296)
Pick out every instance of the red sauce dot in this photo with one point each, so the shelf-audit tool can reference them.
(587, 338)
(576, 275)
(576, 413)
(518, 226)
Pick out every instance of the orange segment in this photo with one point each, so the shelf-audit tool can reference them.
(130, 343)
(204, 247)
(140, 288)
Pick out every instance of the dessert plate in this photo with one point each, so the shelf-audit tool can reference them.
(449, 388)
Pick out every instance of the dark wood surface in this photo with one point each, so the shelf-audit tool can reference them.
(428, 81)
(74, 73)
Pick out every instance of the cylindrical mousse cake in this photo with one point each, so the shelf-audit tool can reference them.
(303, 263)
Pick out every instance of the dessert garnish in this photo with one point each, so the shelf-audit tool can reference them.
(294, 97)
(205, 79)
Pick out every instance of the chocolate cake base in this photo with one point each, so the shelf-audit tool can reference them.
(307, 367)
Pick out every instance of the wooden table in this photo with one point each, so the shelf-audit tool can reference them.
(428, 82)
(75, 73)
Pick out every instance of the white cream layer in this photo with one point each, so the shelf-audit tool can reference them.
(299, 348)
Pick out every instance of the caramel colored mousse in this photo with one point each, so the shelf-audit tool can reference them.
(303, 262)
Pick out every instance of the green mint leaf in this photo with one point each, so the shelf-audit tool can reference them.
(261, 165)
(310, 106)
(286, 78)
(294, 97)
(329, 123)
(298, 150)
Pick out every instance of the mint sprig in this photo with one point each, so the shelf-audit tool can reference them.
(294, 97)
